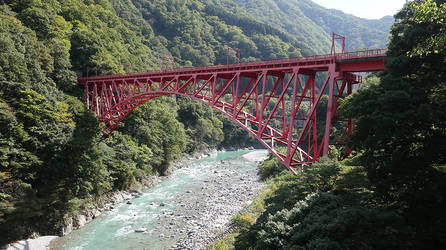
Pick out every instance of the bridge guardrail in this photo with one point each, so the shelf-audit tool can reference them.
(362, 53)
(347, 55)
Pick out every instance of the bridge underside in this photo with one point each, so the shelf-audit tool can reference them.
(278, 102)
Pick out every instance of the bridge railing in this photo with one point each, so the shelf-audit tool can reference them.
(362, 54)
(253, 63)
(348, 55)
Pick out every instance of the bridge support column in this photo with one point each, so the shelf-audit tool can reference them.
(350, 122)
(312, 77)
(330, 110)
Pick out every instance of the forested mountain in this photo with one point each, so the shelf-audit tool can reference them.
(312, 24)
(54, 161)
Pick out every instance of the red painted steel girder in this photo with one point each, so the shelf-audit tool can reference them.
(275, 101)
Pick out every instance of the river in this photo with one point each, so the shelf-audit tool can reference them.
(185, 211)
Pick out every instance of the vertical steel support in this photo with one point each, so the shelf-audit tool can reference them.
(329, 108)
(103, 98)
(213, 86)
(262, 108)
(313, 105)
(282, 98)
(350, 122)
(195, 85)
(256, 102)
(87, 96)
(289, 131)
(95, 96)
(235, 99)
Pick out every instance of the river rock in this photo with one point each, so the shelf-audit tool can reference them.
(141, 230)
(80, 221)
(68, 227)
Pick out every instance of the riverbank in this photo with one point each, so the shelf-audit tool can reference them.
(40, 243)
(105, 203)
(203, 213)
(185, 211)
(109, 201)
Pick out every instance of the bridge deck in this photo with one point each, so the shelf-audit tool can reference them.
(275, 100)
(359, 61)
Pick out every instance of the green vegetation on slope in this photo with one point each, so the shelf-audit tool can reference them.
(328, 206)
(401, 122)
(196, 34)
(52, 157)
(312, 24)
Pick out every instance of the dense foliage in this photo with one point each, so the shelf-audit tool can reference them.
(312, 24)
(401, 122)
(328, 206)
(391, 193)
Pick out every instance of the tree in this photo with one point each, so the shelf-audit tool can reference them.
(401, 123)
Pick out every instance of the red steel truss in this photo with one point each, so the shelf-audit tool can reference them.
(275, 101)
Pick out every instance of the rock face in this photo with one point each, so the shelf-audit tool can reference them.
(68, 228)
(81, 220)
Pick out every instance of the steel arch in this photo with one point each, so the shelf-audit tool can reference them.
(275, 101)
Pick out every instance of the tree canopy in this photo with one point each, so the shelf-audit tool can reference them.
(401, 123)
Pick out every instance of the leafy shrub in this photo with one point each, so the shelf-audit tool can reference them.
(227, 243)
(242, 221)
(320, 177)
(270, 168)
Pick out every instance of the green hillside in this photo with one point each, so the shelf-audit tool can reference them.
(53, 159)
(312, 24)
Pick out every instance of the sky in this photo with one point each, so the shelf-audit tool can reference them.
(370, 9)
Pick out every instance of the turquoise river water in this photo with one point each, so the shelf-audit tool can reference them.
(116, 229)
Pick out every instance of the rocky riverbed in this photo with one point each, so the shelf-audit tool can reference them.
(185, 211)
(206, 212)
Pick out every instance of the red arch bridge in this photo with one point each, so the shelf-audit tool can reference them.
(276, 101)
